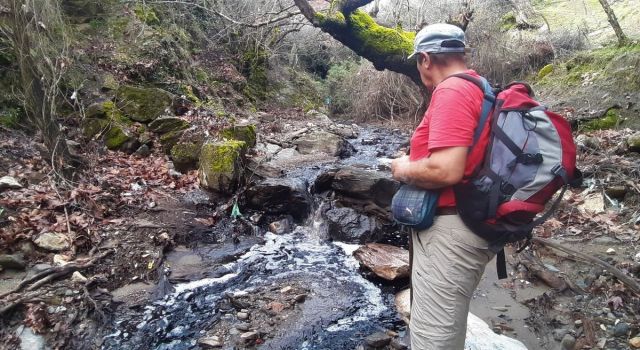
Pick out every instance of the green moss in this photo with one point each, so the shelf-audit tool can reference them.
(508, 22)
(170, 139)
(220, 157)
(201, 75)
(146, 14)
(334, 18)
(255, 70)
(92, 127)
(185, 155)
(115, 137)
(379, 39)
(246, 133)
(143, 104)
(9, 118)
(168, 124)
(187, 91)
(546, 70)
(610, 120)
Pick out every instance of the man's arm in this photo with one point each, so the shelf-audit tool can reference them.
(444, 167)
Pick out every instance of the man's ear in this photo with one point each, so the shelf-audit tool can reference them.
(425, 60)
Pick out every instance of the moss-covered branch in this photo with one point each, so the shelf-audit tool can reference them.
(386, 48)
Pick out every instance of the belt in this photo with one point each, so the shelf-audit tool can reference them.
(446, 211)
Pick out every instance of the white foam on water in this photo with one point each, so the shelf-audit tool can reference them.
(181, 288)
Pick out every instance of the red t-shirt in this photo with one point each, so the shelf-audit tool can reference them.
(451, 121)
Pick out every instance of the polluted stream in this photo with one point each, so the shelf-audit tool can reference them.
(333, 306)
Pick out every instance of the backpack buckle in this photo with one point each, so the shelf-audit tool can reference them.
(528, 158)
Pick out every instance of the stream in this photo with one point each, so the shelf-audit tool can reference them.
(334, 307)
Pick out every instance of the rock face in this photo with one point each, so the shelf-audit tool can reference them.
(220, 165)
(167, 124)
(143, 104)
(365, 184)
(347, 225)
(324, 142)
(52, 241)
(479, 335)
(281, 196)
(386, 261)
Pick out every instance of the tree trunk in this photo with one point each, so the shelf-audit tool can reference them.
(386, 48)
(613, 20)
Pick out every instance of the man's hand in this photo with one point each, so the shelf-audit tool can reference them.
(444, 167)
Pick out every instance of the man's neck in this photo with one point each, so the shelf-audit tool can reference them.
(448, 71)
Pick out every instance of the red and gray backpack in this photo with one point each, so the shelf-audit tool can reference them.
(530, 156)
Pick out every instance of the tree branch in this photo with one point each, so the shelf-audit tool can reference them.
(348, 6)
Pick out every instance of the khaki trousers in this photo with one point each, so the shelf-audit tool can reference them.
(448, 262)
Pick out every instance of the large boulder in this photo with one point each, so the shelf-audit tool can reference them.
(386, 261)
(185, 149)
(281, 196)
(220, 167)
(246, 133)
(347, 225)
(324, 142)
(365, 184)
(143, 104)
(105, 119)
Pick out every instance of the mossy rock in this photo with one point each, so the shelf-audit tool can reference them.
(546, 70)
(610, 120)
(170, 139)
(168, 124)
(109, 83)
(185, 155)
(94, 126)
(117, 137)
(634, 142)
(221, 165)
(143, 104)
(246, 133)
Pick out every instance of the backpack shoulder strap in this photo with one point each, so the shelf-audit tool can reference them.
(489, 100)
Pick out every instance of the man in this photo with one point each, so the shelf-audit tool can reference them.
(448, 259)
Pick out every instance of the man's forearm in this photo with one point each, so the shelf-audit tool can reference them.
(423, 174)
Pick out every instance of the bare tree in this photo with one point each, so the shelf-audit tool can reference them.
(35, 30)
(613, 20)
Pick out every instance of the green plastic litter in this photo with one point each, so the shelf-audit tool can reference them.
(235, 212)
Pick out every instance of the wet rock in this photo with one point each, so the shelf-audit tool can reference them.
(397, 344)
(347, 225)
(280, 196)
(210, 342)
(52, 241)
(324, 142)
(280, 227)
(243, 316)
(345, 131)
(386, 261)
(8, 182)
(635, 342)
(143, 104)
(29, 340)
(221, 165)
(167, 124)
(634, 142)
(365, 184)
(249, 336)
(621, 329)
(196, 197)
(14, 262)
(568, 342)
(244, 327)
(323, 182)
(143, 151)
(245, 133)
(377, 340)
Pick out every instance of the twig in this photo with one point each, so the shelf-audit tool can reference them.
(628, 281)
(55, 272)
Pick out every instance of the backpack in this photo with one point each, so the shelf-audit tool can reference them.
(529, 157)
